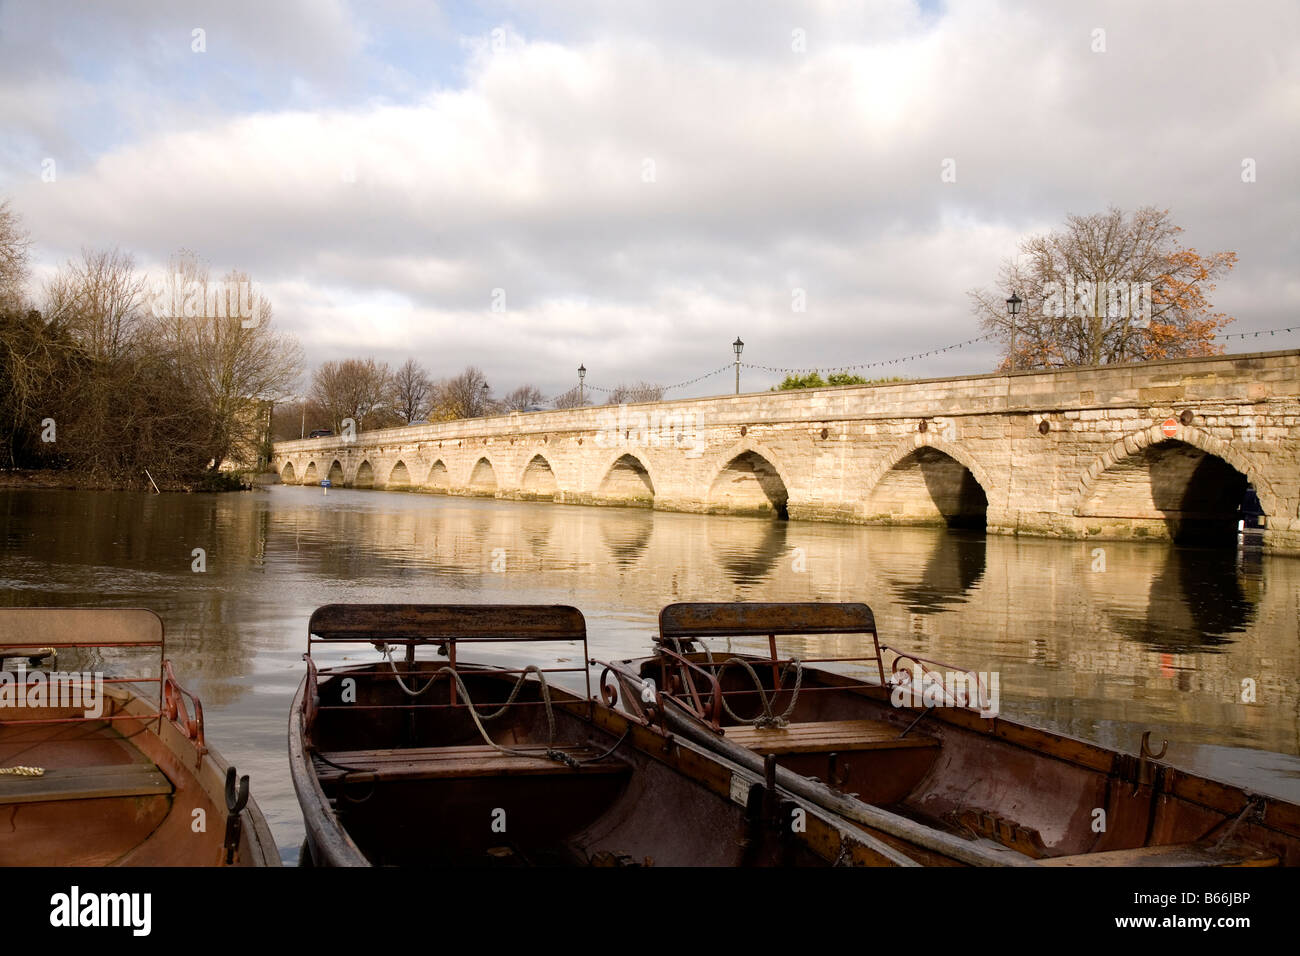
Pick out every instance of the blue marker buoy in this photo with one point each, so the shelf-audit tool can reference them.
(325, 484)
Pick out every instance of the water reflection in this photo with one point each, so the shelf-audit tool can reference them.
(1194, 598)
(1158, 640)
(626, 534)
(954, 566)
(748, 549)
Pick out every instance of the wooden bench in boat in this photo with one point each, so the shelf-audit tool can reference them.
(1172, 855)
(85, 783)
(842, 736)
(430, 763)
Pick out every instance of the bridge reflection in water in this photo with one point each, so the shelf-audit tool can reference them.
(1098, 639)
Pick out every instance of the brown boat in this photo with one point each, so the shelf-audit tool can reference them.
(94, 771)
(422, 759)
(914, 752)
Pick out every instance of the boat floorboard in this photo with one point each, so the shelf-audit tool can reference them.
(85, 783)
(825, 736)
(427, 763)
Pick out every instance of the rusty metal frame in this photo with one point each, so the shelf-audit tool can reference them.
(24, 630)
(929, 666)
(447, 626)
(694, 621)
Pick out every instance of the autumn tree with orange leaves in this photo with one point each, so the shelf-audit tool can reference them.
(1107, 288)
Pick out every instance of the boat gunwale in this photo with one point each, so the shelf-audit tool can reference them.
(1197, 789)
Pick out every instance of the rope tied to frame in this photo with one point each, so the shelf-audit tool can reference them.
(766, 718)
(22, 771)
(551, 753)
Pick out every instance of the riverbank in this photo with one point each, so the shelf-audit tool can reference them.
(74, 480)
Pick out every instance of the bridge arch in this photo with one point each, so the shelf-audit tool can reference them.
(365, 477)
(924, 479)
(310, 477)
(439, 477)
(335, 474)
(626, 477)
(747, 478)
(286, 475)
(483, 477)
(538, 479)
(1150, 474)
(399, 476)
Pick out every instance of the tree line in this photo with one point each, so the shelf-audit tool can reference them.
(373, 395)
(109, 373)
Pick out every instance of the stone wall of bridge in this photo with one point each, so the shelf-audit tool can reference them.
(1159, 449)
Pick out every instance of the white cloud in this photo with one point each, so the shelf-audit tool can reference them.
(383, 227)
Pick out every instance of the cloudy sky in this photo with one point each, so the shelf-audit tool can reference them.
(645, 180)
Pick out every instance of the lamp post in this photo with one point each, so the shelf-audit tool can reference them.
(1013, 309)
(737, 347)
(582, 373)
(485, 400)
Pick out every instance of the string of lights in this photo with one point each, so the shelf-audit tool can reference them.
(880, 363)
(877, 364)
(1255, 335)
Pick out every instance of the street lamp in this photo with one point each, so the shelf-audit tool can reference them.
(737, 347)
(1013, 309)
(485, 400)
(582, 373)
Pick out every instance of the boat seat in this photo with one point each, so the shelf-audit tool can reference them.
(1173, 854)
(85, 783)
(430, 763)
(844, 736)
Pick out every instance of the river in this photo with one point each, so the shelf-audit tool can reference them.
(1101, 640)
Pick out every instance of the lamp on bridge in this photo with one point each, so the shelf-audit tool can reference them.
(737, 347)
(1013, 309)
(582, 373)
(485, 399)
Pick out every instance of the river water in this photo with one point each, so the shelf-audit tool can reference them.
(1099, 640)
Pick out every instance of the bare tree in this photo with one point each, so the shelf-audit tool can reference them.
(224, 343)
(1107, 288)
(14, 243)
(412, 392)
(523, 397)
(640, 392)
(101, 300)
(352, 388)
(462, 396)
(573, 398)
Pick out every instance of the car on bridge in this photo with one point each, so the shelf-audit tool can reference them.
(320, 433)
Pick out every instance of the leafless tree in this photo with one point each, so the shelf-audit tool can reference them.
(14, 243)
(573, 398)
(412, 391)
(224, 343)
(462, 396)
(640, 392)
(351, 388)
(523, 397)
(101, 299)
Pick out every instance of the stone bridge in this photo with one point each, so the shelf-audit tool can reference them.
(1159, 449)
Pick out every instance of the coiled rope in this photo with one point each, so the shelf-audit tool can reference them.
(766, 718)
(551, 753)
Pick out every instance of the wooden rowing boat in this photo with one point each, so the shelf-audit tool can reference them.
(912, 751)
(95, 773)
(419, 758)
